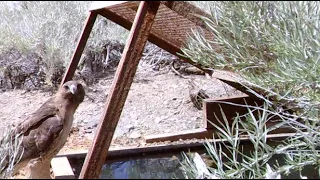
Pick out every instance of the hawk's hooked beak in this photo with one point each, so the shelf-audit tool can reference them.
(73, 88)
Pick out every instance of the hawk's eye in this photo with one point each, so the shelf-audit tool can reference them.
(65, 87)
(79, 86)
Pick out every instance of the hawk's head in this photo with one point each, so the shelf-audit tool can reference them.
(72, 91)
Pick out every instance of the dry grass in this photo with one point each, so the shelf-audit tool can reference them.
(51, 29)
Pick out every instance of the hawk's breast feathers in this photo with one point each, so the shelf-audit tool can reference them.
(45, 131)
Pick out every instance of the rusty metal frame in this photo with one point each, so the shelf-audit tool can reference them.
(140, 31)
(180, 8)
(120, 88)
(121, 84)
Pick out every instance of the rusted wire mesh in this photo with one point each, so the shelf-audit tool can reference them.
(174, 19)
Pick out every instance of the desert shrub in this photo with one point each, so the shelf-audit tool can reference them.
(274, 47)
(51, 30)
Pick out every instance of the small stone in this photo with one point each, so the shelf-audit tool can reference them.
(91, 125)
(134, 135)
(74, 129)
(197, 125)
(176, 112)
(158, 120)
(128, 128)
(131, 128)
(194, 119)
(88, 131)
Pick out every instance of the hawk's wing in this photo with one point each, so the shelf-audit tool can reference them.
(33, 121)
(40, 129)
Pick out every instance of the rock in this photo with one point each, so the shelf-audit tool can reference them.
(197, 125)
(202, 170)
(74, 129)
(194, 119)
(134, 135)
(196, 94)
(88, 131)
(91, 125)
(128, 128)
(158, 120)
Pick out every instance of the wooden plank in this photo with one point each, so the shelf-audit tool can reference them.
(80, 47)
(61, 168)
(120, 87)
(200, 133)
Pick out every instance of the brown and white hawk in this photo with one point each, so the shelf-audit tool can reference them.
(45, 131)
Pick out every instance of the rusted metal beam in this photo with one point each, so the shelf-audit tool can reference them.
(200, 133)
(166, 45)
(211, 107)
(237, 85)
(131, 152)
(188, 10)
(229, 105)
(114, 17)
(80, 47)
(120, 87)
(138, 152)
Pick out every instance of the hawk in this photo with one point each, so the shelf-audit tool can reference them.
(45, 131)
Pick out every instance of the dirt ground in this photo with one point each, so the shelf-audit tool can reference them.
(158, 102)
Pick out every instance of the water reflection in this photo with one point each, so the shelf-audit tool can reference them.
(168, 167)
(153, 168)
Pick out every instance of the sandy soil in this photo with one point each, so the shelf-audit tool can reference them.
(158, 102)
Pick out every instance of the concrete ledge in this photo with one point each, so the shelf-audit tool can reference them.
(61, 168)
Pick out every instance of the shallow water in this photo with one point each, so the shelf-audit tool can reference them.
(168, 167)
(153, 168)
(156, 167)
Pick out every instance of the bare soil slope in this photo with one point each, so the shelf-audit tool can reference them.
(158, 102)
